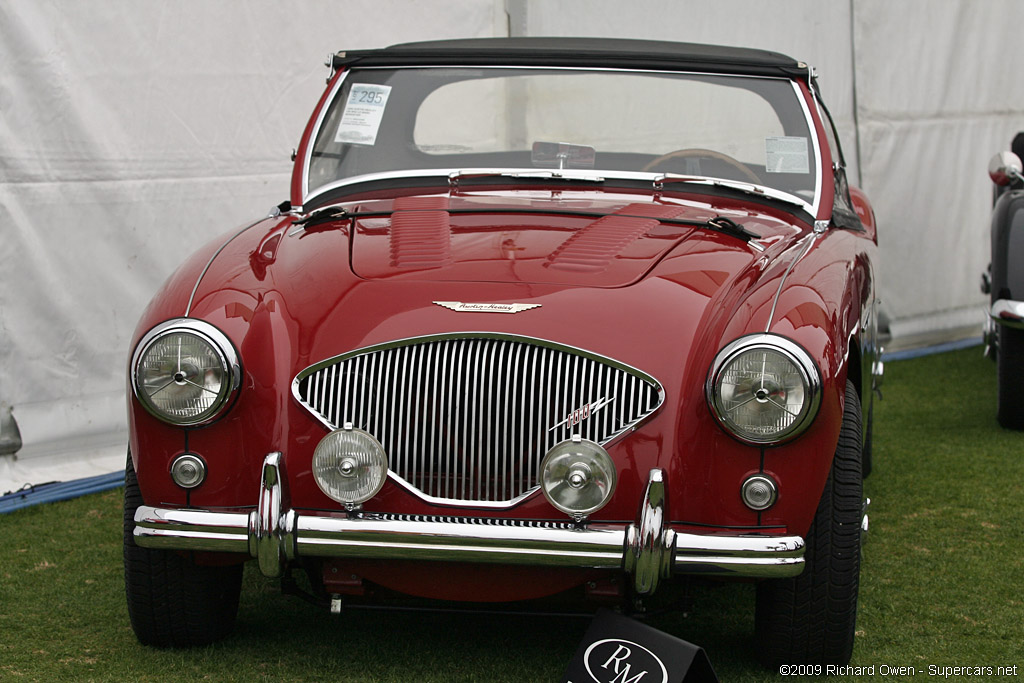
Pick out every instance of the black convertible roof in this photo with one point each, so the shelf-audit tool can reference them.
(579, 52)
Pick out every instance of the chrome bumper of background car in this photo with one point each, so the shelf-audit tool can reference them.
(646, 549)
(1007, 312)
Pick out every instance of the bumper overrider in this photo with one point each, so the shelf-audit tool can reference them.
(1008, 312)
(647, 549)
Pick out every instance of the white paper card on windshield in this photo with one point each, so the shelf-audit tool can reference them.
(363, 113)
(786, 154)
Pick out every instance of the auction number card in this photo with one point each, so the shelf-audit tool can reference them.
(363, 113)
(786, 154)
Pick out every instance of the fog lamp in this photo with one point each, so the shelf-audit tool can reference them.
(759, 492)
(188, 471)
(349, 465)
(577, 477)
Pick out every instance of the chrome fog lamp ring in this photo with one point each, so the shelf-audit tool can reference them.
(185, 372)
(578, 477)
(350, 466)
(764, 389)
(188, 470)
(759, 492)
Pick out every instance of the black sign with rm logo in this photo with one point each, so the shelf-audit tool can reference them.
(617, 649)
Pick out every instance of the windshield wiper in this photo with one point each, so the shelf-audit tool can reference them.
(746, 188)
(731, 227)
(328, 214)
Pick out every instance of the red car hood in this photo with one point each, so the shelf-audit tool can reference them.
(625, 276)
(559, 241)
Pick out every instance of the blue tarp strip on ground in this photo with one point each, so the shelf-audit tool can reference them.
(59, 490)
(929, 350)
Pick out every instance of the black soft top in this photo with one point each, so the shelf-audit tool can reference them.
(579, 52)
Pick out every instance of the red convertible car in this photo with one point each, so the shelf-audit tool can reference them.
(542, 317)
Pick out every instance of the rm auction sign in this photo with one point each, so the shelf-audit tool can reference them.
(617, 649)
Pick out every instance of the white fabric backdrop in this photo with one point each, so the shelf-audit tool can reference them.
(132, 132)
(936, 97)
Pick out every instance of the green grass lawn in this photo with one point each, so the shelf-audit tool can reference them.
(941, 584)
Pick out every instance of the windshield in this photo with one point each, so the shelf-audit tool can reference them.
(739, 128)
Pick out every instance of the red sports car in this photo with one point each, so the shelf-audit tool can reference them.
(542, 317)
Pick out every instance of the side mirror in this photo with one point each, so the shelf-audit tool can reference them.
(1004, 168)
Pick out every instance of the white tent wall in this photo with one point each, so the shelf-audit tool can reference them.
(130, 133)
(924, 92)
(938, 94)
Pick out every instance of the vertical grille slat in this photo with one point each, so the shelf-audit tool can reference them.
(418, 446)
(525, 426)
(432, 443)
(467, 419)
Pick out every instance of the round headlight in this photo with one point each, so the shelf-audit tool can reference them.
(350, 466)
(578, 477)
(764, 389)
(185, 371)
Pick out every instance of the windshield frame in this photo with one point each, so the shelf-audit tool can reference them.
(595, 174)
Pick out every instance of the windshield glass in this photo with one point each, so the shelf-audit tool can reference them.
(747, 129)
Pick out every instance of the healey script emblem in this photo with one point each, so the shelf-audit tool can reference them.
(485, 308)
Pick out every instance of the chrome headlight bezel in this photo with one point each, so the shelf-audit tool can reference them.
(806, 369)
(227, 361)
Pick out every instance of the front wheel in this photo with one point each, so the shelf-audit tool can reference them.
(810, 618)
(1010, 375)
(172, 601)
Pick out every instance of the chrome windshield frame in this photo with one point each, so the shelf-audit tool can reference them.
(598, 174)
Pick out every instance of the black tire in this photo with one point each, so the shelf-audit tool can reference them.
(866, 451)
(811, 618)
(1010, 374)
(172, 601)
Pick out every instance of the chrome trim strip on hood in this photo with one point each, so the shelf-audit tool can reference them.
(819, 228)
(195, 288)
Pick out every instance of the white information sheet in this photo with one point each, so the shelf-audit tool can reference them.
(786, 154)
(363, 113)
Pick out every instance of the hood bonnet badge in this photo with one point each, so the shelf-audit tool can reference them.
(461, 307)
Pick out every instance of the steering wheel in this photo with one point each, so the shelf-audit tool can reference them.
(707, 154)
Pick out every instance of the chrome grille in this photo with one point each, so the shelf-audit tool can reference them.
(469, 418)
(477, 521)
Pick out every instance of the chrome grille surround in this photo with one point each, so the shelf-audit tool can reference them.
(466, 418)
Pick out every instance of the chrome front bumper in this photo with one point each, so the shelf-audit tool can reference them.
(646, 549)
(1007, 312)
